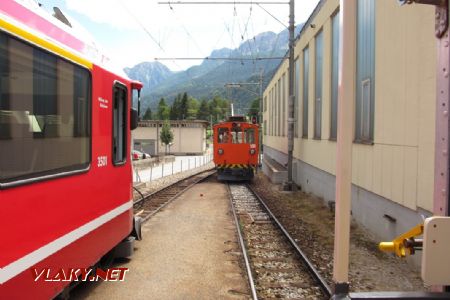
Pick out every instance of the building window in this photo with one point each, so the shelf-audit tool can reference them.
(275, 119)
(305, 92)
(44, 114)
(334, 75)
(269, 129)
(265, 104)
(297, 94)
(119, 124)
(365, 70)
(272, 112)
(318, 87)
(265, 127)
(283, 96)
(279, 115)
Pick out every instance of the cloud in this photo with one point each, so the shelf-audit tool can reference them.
(181, 30)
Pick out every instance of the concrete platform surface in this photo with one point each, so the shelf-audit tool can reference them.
(188, 251)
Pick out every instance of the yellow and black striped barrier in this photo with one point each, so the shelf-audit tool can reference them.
(235, 166)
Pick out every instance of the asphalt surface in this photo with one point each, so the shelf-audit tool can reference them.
(189, 251)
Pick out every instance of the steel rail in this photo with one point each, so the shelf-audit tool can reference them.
(147, 217)
(137, 202)
(243, 248)
(326, 288)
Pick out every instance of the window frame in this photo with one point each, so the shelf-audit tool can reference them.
(65, 171)
(365, 72)
(318, 84)
(296, 95)
(118, 84)
(305, 95)
(334, 74)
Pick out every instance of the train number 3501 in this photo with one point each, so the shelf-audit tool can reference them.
(102, 161)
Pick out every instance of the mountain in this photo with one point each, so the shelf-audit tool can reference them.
(151, 74)
(208, 79)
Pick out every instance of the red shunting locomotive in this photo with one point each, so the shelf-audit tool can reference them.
(236, 149)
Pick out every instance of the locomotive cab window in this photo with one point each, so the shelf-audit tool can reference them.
(250, 136)
(44, 114)
(223, 136)
(119, 124)
(237, 135)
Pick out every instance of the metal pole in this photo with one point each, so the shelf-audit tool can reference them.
(441, 201)
(346, 108)
(289, 184)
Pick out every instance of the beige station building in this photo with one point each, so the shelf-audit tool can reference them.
(189, 137)
(394, 121)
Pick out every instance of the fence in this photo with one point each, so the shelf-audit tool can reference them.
(180, 164)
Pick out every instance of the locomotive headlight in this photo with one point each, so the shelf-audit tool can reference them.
(252, 151)
(220, 151)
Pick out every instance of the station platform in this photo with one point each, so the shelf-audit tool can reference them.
(189, 251)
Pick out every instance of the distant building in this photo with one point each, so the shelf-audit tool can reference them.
(189, 137)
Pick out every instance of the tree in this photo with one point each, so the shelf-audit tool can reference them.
(219, 108)
(163, 110)
(175, 109)
(148, 114)
(193, 106)
(184, 107)
(166, 134)
(203, 112)
(254, 107)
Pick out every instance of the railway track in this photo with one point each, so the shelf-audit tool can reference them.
(150, 204)
(276, 266)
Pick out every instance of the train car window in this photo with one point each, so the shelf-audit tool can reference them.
(44, 93)
(250, 135)
(223, 136)
(237, 136)
(4, 95)
(119, 124)
(44, 114)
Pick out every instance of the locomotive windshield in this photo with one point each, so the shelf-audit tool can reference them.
(237, 135)
(223, 136)
(250, 136)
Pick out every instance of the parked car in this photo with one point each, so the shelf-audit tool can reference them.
(135, 155)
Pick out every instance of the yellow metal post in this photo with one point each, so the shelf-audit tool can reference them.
(346, 108)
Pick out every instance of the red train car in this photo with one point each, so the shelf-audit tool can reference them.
(65, 167)
(236, 149)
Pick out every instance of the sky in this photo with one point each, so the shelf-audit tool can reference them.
(134, 31)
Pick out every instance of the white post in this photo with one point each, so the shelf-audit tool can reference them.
(346, 108)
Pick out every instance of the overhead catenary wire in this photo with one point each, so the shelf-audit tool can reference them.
(141, 25)
(219, 58)
(151, 36)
